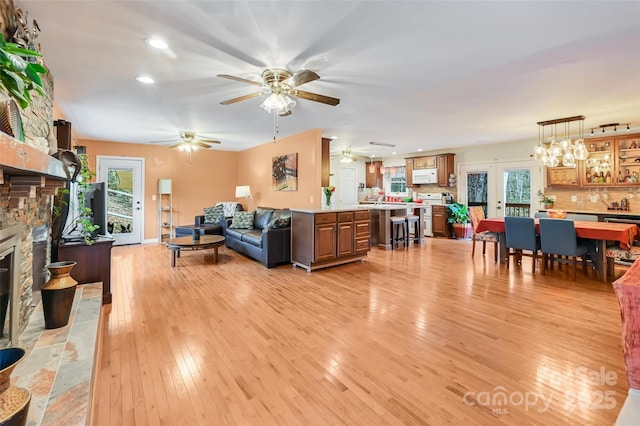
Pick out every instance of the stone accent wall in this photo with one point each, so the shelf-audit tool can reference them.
(37, 118)
(36, 211)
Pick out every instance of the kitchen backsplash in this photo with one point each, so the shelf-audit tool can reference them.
(593, 199)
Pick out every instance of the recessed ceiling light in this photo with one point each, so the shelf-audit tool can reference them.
(333, 137)
(393, 153)
(420, 150)
(145, 79)
(156, 43)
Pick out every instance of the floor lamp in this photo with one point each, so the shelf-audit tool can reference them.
(244, 191)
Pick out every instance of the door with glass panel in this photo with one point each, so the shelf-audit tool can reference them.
(125, 211)
(501, 189)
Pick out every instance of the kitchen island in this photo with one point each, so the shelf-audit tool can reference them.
(329, 236)
(380, 222)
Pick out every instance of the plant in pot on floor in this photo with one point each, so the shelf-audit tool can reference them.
(460, 221)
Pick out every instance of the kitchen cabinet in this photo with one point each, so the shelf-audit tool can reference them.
(439, 224)
(409, 172)
(612, 162)
(320, 239)
(629, 160)
(562, 176)
(445, 167)
(425, 162)
(598, 169)
(374, 179)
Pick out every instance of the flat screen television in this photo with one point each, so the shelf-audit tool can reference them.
(96, 200)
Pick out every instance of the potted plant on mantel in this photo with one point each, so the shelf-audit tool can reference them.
(460, 221)
(17, 75)
(546, 200)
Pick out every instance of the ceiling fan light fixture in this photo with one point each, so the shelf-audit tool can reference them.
(280, 103)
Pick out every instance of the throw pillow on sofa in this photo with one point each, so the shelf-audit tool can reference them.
(213, 214)
(242, 220)
(280, 219)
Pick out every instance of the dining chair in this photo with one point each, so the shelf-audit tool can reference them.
(476, 214)
(520, 234)
(558, 238)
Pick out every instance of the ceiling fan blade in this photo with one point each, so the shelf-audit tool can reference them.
(241, 98)
(209, 141)
(240, 79)
(201, 145)
(317, 98)
(176, 145)
(301, 77)
(284, 114)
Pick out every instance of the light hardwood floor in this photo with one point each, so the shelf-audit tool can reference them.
(419, 336)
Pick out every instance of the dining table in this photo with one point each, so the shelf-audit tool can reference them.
(600, 232)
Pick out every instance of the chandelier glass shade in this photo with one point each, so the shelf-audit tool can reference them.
(560, 151)
(278, 102)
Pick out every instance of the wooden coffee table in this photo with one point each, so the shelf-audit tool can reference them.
(188, 243)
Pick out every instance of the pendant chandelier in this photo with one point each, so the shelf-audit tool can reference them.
(560, 151)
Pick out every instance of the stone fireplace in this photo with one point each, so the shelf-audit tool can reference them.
(28, 180)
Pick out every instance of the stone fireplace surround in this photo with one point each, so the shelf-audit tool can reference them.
(28, 180)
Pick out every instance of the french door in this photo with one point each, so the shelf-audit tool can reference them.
(501, 188)
(125, 210)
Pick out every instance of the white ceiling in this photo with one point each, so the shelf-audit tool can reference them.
(417, 74)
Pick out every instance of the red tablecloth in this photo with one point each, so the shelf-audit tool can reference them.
(622, 232)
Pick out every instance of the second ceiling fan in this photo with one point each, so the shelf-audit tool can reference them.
(281, 85)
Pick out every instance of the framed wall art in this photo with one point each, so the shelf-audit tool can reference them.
(284, 172)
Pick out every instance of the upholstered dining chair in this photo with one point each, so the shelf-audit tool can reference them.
(558, 238)
(476, 214)
(520, 234)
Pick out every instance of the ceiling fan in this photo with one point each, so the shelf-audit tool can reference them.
(189, 142)
(281, 85)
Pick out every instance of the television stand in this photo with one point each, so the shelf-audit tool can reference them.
(94, 262)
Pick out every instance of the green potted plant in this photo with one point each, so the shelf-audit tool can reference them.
(546, 200)
(459, 220)
(83, 221)
(17, 75)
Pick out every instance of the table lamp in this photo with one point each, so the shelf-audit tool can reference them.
(244, 191)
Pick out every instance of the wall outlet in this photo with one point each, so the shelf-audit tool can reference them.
(153, 197)
(311, 199)
(574, 198)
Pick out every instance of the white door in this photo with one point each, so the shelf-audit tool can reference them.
(502, 188)
(347, 188)
(125, 211)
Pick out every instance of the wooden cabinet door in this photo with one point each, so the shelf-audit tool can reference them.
(445, 167)
(409, 172)
(345, 239)
(425, 162)
(439, 221)
(374, 180)
(325, 242)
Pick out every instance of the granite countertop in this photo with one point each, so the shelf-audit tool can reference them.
(334, 208)
(401, 204)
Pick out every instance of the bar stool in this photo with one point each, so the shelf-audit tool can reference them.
(412, 218)
(398, 223)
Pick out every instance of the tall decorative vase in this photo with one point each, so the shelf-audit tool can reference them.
(14, 401)
(58, 293)
(328, 199)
